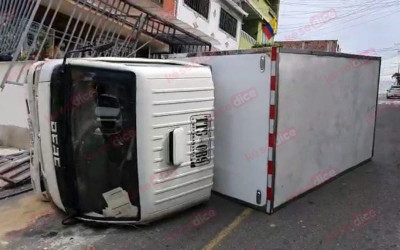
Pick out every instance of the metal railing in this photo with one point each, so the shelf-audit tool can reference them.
(30, 30)
(248, 38)
(90, 22)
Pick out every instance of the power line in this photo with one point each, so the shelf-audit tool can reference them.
(344, 28)
(367, 10)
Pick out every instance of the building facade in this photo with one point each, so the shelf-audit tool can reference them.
(137, 27)
(226, 24)
(221, 20)
(218, 22)
(260, 12)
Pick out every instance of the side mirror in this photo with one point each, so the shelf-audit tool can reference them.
(177, 146)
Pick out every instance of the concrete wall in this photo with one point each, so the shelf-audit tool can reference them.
(210, 25)
(13, 115)
(323, 45)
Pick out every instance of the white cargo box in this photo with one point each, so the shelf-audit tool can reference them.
(287, 121)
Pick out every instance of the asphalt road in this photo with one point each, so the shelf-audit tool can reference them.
(319, 220)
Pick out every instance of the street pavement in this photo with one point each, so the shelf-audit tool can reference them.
(321, 219)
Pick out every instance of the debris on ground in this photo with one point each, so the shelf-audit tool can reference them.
(14, 169)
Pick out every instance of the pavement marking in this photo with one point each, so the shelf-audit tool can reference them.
(388, 102)
(227, 230)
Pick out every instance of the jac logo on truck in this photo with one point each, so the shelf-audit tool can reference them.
(244, 97)
(54, 141)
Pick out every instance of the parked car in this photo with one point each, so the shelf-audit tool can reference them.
(394, 91)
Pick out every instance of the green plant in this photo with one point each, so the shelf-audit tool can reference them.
(266, 45)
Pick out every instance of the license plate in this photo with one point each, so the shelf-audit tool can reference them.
(200, 146)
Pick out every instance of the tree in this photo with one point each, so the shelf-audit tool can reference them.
(397, 77)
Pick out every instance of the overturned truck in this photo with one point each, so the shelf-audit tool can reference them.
(132, 140)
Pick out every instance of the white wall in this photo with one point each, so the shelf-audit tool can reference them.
(210, 26)
(13, 115)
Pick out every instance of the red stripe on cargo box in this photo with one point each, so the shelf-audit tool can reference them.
(274, 53)
(271, 141)
(269, 193)
(271, 168)
(272, 134)
(273, 83)
(272, 112)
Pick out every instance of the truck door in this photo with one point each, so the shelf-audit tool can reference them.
(242, 100)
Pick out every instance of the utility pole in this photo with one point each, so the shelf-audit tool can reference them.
(398, 56)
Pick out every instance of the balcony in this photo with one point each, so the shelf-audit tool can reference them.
(274, 4)
(246, 41)
(259, 9)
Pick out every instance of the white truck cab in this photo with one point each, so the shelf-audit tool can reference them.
(121, 140)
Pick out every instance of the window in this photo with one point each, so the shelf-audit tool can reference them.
(160, 2)
(101, 137)
(200, 6)
(228, 23)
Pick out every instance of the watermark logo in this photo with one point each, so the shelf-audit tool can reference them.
(356, 222)
(116, 140)
(359, 62)
(7, 15)
(201, 58)
(75, 102)
(282, 138)
(83, 97)
(316, 22)
(196, 220)
(244, 97)
(323, 18)
(371, 116)
(362, 218)
(323, 176)
(155, 180)
(236, 101)
(315, 181)
(285, 136)
(203, 217)
(123, 137)
(354, 63)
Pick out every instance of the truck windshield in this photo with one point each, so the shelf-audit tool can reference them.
(103, 135)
